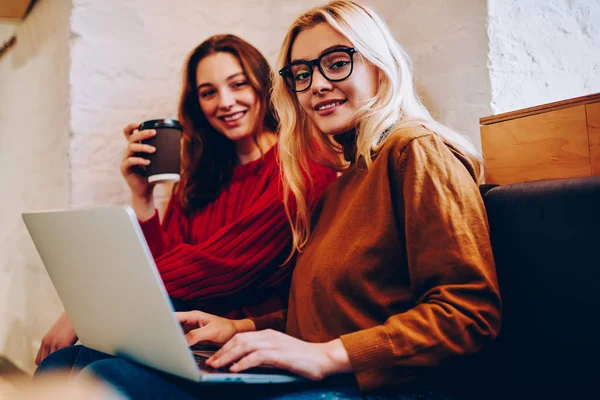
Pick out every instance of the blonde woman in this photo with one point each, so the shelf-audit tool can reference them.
(394, 278)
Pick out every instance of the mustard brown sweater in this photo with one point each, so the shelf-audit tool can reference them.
(398, 265)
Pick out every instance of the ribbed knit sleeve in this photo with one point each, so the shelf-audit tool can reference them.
(173, 230)
(235, 244)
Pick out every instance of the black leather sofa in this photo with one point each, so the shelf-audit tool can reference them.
(546, 242)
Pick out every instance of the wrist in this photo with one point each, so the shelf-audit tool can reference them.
(337, 358)
(244, 325)
(143, 207)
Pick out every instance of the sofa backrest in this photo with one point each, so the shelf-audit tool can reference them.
(546, 242)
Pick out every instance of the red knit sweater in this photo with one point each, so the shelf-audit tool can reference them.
(226, 257)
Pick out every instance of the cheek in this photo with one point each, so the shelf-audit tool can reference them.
(362, 88)
(248, 97)
(304, 101)
(208, 108)
(354, 91)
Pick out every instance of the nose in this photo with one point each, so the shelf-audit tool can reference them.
(226, 99)
(319, 83)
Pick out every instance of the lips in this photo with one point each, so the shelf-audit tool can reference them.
(232, 117)
(327, 104)
(327, 107)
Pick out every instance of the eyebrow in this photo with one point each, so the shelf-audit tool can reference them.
(227, 79)
(334, 47)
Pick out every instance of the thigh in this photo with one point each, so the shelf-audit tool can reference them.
(137, 382)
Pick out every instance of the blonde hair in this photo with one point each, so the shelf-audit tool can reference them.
(395, 105)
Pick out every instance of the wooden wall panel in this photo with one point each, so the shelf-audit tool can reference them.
(593, 122)
(13, 10)
(543, 146)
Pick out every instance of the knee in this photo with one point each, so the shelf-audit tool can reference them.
(62, 359)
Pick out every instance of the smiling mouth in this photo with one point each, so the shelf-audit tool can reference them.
(233, 117)
(330, 105)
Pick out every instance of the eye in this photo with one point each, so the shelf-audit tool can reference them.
(207, 93)
(302, 75)
(238, 85)
(336, 60)
(339, 64)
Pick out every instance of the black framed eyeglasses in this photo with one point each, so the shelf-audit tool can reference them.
(335, 65)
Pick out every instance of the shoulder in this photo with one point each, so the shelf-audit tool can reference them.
(420, 148)
(403, 139)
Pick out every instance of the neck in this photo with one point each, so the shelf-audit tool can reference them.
(251, 148)
(348, 142)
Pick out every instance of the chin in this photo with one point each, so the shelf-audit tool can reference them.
(334, 130)
(239, 135)
(333, 126)
(237, 131)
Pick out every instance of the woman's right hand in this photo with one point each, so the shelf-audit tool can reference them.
(60, 335)
(141, 189)
(204, 328)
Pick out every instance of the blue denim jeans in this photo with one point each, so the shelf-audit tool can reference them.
(137, 382)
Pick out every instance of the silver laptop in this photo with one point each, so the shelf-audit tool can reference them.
(104, 273)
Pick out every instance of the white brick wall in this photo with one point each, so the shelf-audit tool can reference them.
(34, 171)
(543, 51)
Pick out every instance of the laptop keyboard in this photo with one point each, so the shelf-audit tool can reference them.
(201, 361)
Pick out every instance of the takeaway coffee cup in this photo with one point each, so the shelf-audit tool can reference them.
(165, 161)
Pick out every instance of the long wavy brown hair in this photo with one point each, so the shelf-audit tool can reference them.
(207, 156)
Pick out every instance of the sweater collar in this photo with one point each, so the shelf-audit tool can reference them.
(243, 171)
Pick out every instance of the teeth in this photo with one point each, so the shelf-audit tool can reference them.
(330, 105)
(234, 117)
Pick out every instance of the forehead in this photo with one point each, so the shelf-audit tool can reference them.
(217, 67)
(310, 42)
